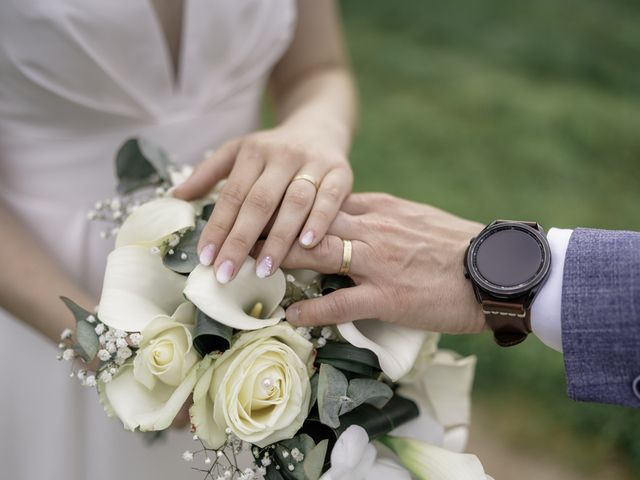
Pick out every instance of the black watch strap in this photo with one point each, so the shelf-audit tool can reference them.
(510, 321)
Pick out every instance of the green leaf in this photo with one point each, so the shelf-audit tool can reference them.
(86, 337)
(331, 283)
(314, 460)
(366, 390)
(380, 421)
(314, 389)
(292, 295)
(332, 393)
(314, 456)
(207, 210)
(140, 163)
(349, 358)
(210, 335)
(189, 247)
(273, 474)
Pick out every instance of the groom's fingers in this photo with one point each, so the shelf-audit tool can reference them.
(326, 257)
(341, 306)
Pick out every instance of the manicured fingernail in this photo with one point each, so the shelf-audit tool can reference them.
(293, 313)
(225, 272)
(263, 270)
(207, 254)
(307, 238)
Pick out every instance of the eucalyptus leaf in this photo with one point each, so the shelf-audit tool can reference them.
(210, 335)
(273, 474)
(86, 337)
(352, 368)
(185, 255)
(314, 460)
(332, 393)
(139, 163)
(311, 466)
(366, 390)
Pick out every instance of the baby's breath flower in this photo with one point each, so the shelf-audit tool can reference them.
(66, 334)
(135, 339)
(91, 319)
(187, 456)
(100, 328)
(104, 355)
(68, 354)
(90, 381)
(110, 346)
(119, 333)
(124, 353)
(121, 343)
(106, 377)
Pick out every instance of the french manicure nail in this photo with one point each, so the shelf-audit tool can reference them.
(225, 271)
(307, 238)
(207, 254)
(264, 267)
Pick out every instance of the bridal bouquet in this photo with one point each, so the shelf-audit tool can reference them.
(301, 403)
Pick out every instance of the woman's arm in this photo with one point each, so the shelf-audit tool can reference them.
(316, 106)
(30, 281)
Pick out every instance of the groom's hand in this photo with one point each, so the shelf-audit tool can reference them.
(407, 263)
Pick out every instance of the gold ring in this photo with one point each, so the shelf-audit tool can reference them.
(347, 250)
(307, 178)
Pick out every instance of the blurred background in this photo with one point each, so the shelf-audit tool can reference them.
(522, 110)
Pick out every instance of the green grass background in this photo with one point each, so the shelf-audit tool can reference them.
(508, 109)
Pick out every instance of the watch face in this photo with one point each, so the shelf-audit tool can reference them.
(508, 258)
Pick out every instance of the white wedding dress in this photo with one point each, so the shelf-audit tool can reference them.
(78, 77)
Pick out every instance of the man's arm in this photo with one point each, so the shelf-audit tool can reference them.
(601, 317)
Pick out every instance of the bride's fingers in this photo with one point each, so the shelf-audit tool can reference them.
(210, 171)
(326, 257)
(293, 212)
(246, 171)
(334, 188)
(341, 306)
(261, 202)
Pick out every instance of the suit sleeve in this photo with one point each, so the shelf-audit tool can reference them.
(601, 317)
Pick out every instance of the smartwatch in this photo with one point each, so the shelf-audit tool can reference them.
(507, 264)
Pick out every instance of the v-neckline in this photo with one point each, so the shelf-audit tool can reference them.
(174, 63)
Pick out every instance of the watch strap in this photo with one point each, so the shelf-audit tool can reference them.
(510, 321)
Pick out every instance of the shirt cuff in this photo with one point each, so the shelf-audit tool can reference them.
(546, 311)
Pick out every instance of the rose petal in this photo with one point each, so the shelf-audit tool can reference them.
(137, 288)
(154, 221)
(137, 406)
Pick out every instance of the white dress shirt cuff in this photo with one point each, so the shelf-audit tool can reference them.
(546, 311)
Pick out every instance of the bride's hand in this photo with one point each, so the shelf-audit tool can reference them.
(264, 171)
(407, 263)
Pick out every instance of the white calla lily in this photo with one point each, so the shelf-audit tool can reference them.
(441, 384)
(149, 392)
(137, 288)
(397, 347)
(234, 304)
(354, 458)
(428, 462)
(152, 223)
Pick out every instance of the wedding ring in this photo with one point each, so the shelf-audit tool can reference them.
(346, 257)
(306, 178)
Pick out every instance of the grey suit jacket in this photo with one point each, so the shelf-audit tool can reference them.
(601, 316)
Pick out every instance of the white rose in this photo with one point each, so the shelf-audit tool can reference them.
(149, 392)
(259, 388)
